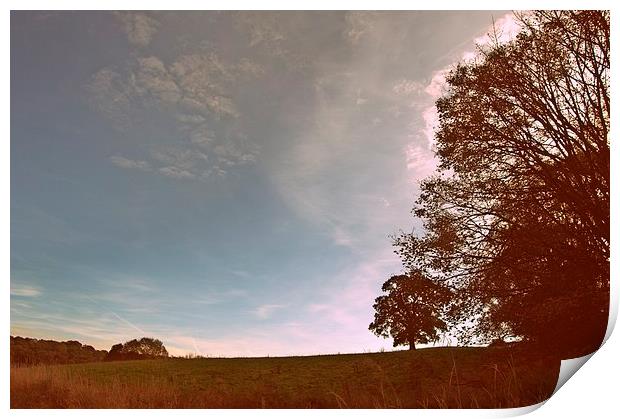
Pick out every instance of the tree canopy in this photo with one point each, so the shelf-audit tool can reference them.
(411, 311)
(27, 351)
(516, 219)
(144, 348)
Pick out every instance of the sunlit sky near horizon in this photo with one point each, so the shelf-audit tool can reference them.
(224, 181)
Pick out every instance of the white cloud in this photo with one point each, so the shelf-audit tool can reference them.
(126, 163)
(176, 173)
(345, 304)
(437, 84)
(113, 96)
(182, 158)
(152, 79)
(358, 23)
(263, 28)
(328, 175)
(421, 161)
(407, 87)
(139, 27)
(266, 310)
(204, 80)
(25, 291)
(503, 30)
(189, 91)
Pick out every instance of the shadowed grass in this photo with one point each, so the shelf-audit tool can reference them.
(427, 378)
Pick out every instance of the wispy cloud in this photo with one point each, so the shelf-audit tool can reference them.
(502, 30)
(194, 93)
(176, 173)
(420, 159)
(217, 297)
(358, 24)
(25, 291)
(126, 163)
(327, 173)
(139, 27)
(122, 319)
(266, 310)
(407, 87)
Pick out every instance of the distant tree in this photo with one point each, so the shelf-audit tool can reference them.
(115, 352)
(411, 311)
(150, 347)
(144, 348)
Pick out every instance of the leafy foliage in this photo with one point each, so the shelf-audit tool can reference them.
(144, 348)
(517, 218)
(28, 351)
(411, 310)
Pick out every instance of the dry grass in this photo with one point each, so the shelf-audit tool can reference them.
(55, 387)
(431, 378)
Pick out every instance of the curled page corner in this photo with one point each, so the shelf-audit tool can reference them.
(517, 411)
(568, 368)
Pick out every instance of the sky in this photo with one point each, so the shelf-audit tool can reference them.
(227, 182)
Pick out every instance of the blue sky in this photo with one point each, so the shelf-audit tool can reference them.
(224, 181)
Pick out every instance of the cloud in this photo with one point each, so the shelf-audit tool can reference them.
(348, 299)
(139, 27)
(329, 323)
(264, 30)
(407, 87)
(180, 158)
(437, 84)
(216, 297)
(176, 173)
(503, 30)
(246, 345)
(266, 310)
(358, 24)
(151, 79)
(275, 36)
(25, 291)
(112, 95)
(421, 160)
(126, 163)
(205, 80)
(329, 174)
(194, 95)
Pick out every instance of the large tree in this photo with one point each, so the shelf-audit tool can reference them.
(411, 311)
(517, 218)
(144, 348)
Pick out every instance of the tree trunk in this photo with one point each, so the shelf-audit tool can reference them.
(412, 346)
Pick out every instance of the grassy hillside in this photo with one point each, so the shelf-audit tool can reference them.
(438, 377)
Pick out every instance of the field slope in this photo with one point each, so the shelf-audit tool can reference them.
(437, 377)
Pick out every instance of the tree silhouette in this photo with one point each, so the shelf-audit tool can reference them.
(410, 312)
(517, 218)
(144, 348)
(25, 351)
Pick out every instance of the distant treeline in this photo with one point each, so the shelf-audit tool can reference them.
(28, 351)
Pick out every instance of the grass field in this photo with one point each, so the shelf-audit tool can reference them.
(426, 378)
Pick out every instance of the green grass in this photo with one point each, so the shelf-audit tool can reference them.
(434, 377)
